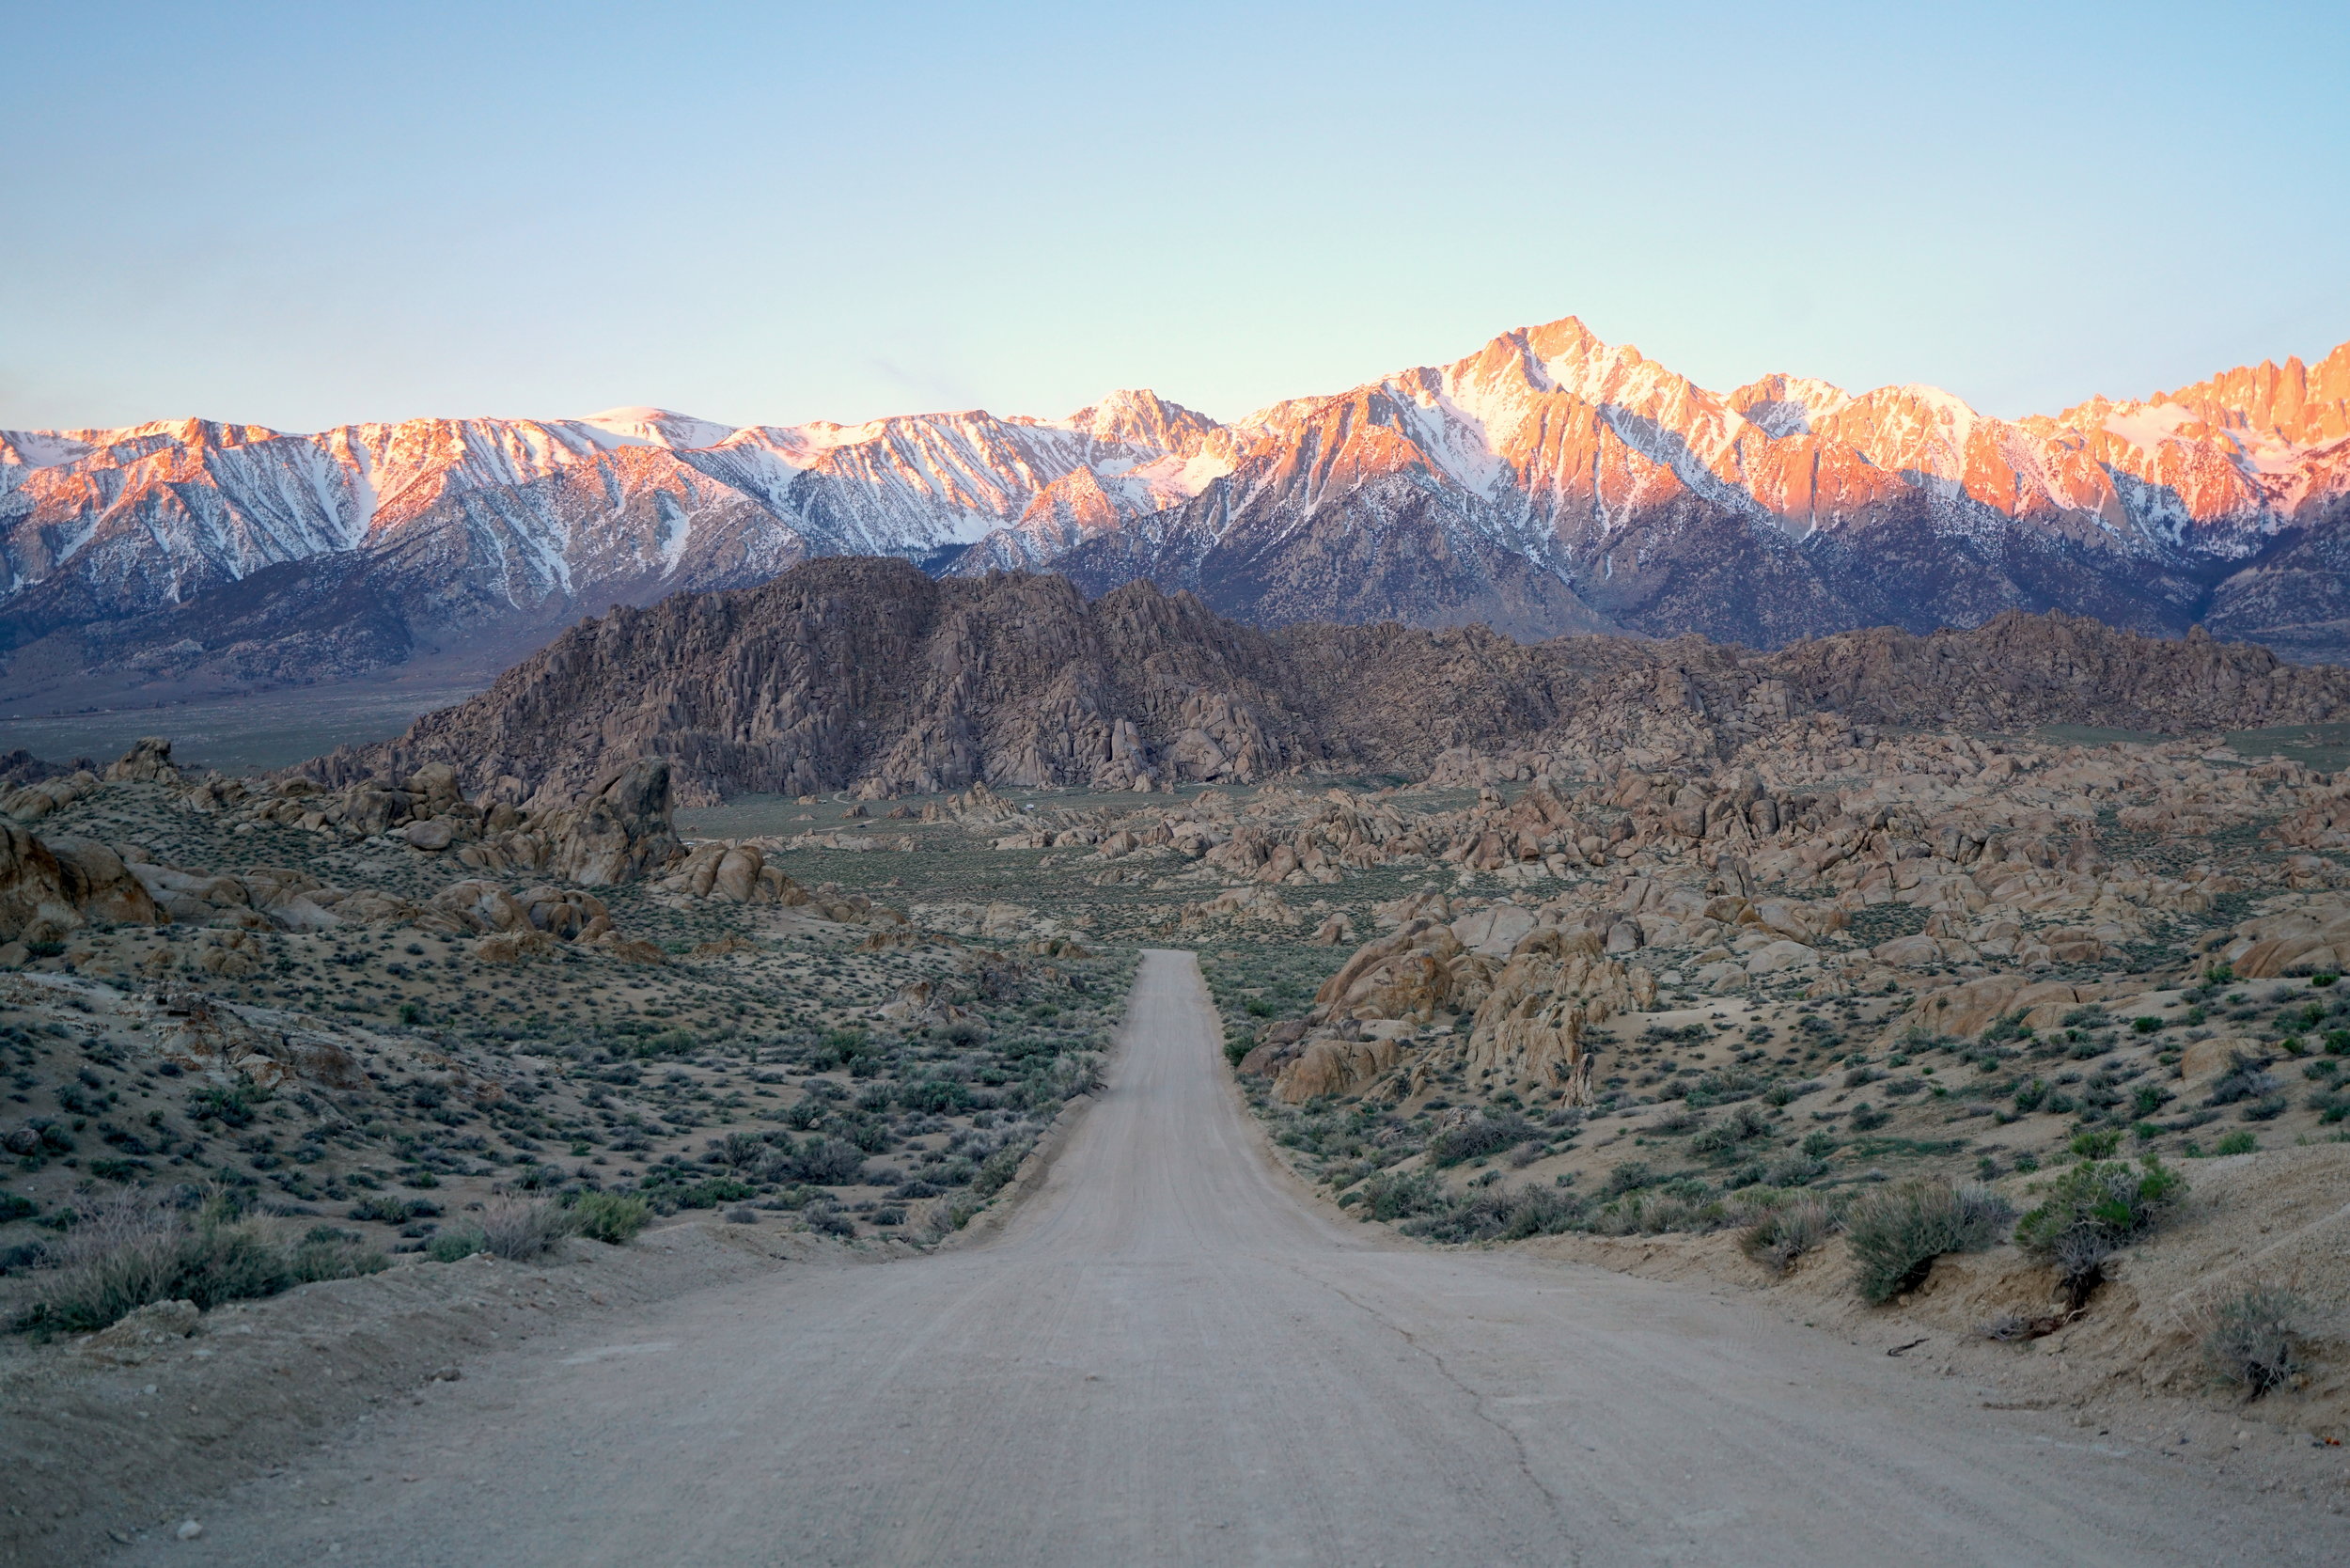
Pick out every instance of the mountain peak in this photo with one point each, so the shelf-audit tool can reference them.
(657, 426)
(1138, 416)
(1546, 482)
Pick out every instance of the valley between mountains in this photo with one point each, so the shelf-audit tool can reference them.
(873, 1066)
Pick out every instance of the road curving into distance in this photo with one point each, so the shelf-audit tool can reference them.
(1171, 1355)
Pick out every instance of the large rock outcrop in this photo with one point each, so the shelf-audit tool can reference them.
(1524, 987)
(148, 760)
(620, 832)
(1557, 985)
(865, 673)
(51, 888)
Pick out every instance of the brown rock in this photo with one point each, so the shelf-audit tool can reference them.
(148, 761)
(621, 832)
(1556, 985)
(100, 885)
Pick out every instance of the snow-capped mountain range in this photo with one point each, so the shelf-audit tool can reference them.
(1549, 482)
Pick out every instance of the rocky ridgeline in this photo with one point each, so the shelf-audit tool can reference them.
(864, 675)
(53, 887)
(618, 831)
(1549, 482)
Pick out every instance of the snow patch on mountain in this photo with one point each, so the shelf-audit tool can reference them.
(657, 426)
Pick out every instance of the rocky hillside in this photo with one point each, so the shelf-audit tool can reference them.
(1788, 508)
(1549, 482)
(195, 554)
(866, 673)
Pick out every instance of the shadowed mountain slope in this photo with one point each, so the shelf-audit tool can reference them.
(866, 673)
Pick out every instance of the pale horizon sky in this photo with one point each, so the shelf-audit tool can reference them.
(299, 217)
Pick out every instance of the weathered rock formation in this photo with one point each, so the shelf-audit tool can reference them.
(619, 831)
(50, 889)
(148, 760)
(866, 673)
(1524, 986)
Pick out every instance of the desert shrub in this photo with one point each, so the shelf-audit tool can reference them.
(1731, 1130)
(1678, 1211)
(327, 1253)
(519, 1231)
(394, 1211)
(223, 1262)
(2253, 1340)
(669, 1043)
(1896, 1235)
(709, 1192)
(1631, 1176)
(2246, 1078)
(826, 1217)
(841, 1048)
(1540, 1211)
(738, 1151)
(998, 1168)
(1062, 1078)
(1866, 1117)
(2242, 1141)
(827, 1161)
(1777, 1237)
(120, 1257)
(230, 1105)
(935, 1096)
(2092, 1211)
(2095, 1145)
(15, 1206)
(1492, 1214)
(1487, 1134)
(2006, 1027)
(1402, 1194)
(138, 1250)
(451, 1245)
(611, 1217)
(1793, 1170)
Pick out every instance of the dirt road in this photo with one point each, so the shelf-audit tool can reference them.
(1170, 1357)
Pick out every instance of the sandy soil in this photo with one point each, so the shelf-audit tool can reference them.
(1171, 1355)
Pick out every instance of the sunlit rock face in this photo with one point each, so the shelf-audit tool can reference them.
(1549, 482)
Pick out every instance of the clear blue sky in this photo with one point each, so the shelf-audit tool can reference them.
(300, 215)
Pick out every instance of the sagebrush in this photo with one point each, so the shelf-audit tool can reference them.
(1896, 1235)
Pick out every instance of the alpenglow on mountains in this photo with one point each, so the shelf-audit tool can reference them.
(1549, 482)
